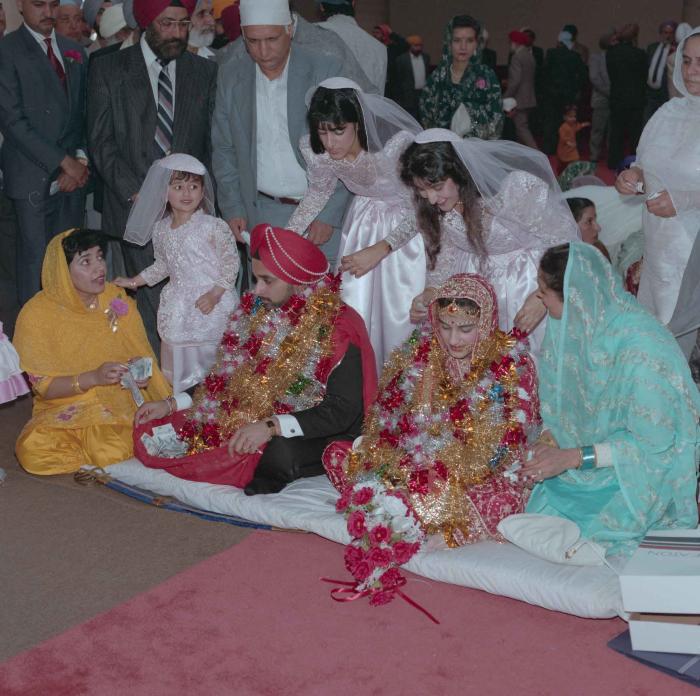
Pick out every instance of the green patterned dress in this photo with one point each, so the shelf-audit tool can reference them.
(479, 90)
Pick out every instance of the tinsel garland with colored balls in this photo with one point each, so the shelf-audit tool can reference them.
(433, 437)
(270, 360)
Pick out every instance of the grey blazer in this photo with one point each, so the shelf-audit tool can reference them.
(40, 121)
(521, 79)
(234, 132)
(121, 123)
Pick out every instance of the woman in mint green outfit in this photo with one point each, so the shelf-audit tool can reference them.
(620, 405)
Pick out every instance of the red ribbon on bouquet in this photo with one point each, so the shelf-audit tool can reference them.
(349, 588)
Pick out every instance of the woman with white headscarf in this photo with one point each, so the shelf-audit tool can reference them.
(667, 172)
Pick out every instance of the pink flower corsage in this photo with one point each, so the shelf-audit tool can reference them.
(481, 83)
(117, 308)
(73, 56)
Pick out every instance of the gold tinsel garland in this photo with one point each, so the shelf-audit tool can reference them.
(445, 507)
(255, 394)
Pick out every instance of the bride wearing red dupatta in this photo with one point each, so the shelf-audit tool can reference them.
(456, 409)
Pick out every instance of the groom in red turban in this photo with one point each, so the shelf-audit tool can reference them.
(295, 372)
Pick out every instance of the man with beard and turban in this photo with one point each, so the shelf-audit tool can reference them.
(92, 13)
(145, 102)
(203, 30)
(259, 119)
(42, 119)
(295, 372)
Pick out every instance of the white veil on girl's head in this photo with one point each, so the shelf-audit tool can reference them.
(532, 210)
(153, 195)
(383, 118)
(678, 81)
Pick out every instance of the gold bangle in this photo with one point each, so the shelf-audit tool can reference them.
(75, 384)
(171, 405)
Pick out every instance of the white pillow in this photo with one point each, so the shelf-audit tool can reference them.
(553, 538)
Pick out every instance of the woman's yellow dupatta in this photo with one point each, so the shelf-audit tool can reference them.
(56, 335)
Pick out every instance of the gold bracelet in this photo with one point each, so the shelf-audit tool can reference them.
(75, 384)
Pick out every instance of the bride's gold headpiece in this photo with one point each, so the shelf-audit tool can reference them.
(456, 312)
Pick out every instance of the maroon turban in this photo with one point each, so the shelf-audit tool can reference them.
(231, 20)
(520, 38)
(287, 255)
(145, 11)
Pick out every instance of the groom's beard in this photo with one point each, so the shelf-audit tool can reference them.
(201, 39)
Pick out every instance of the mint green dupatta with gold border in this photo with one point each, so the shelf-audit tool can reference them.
(611, 375)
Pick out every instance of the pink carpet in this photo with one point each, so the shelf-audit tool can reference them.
(256, 620)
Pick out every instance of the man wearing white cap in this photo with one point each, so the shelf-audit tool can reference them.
(69, 20)
(259, 117)
(314, 38)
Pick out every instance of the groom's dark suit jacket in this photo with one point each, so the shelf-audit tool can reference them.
(122, 123)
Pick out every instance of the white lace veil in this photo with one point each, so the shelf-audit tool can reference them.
(678, 81)
(533, 210)
(383, 118)
(153, 195)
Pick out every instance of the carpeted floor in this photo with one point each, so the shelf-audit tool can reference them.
(68, 552)
(256, 620)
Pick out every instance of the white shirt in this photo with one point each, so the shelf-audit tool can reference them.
(370, 53)
(289, 425)
(279, 172)
(41, 40)
(206, 52)
(154, 67)
(418, 65)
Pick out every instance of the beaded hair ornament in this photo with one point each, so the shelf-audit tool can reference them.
(459, 313)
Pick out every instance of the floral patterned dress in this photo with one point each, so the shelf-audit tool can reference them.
(479, 90)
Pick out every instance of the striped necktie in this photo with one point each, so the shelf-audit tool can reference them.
(166, 115)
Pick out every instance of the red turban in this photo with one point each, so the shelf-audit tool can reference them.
(231, 19)
(520, 38)
(145, 11)
(287, 255)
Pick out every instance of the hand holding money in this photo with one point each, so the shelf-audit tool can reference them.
(141, 370)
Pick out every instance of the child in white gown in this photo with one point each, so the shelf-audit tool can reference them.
(12, 383)
(197, 252)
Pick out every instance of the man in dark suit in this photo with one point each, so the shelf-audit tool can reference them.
(657, 57)
(488, 55)
(564, 75)
(412, 70)
(132, 121)
(42, 97)
(627, 69)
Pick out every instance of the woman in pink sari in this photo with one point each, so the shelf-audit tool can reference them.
(456, 409)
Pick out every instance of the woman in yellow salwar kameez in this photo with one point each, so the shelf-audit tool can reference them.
(74, 339)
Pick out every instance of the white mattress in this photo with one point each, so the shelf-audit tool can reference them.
(309, 504)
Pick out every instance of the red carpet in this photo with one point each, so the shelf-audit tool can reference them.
(256, 620)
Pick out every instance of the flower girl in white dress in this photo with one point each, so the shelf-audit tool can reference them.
(196, 251)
